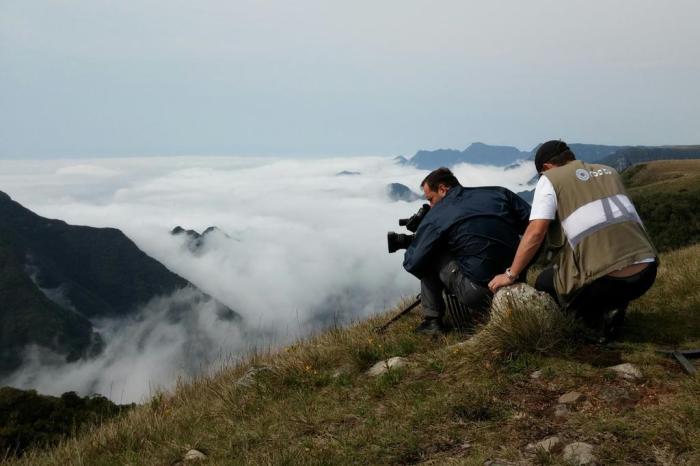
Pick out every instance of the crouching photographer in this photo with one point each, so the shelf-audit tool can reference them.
(466, 237)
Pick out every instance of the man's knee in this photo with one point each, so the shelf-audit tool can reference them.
(467, 292)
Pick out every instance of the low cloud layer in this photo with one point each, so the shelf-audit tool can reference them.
(300, 248)
(182, 334)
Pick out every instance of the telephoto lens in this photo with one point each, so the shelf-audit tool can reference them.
(397, 241)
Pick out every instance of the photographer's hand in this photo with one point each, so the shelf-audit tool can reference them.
(500, 281)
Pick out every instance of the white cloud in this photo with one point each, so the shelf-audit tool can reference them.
(177, 335)
(299, 247)
(86, 170)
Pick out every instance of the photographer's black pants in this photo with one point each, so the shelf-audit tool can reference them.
(449, 276)
(603, 295)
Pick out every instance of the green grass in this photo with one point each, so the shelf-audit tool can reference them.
(311, 403)
(666, 194)
(663, 176)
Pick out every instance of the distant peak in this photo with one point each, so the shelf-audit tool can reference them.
(178, 230)
(401, 192)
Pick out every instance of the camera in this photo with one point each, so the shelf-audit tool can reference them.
(398, 241)
(412, 223)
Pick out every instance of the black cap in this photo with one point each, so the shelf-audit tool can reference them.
(548, 151)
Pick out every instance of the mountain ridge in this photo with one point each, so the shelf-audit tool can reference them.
(55, 278)
(479, 153)
(476, 152)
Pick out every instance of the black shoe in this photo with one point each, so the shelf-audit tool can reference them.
(431, 326)
(613, 323)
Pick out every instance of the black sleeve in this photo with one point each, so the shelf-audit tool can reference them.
(419, 253)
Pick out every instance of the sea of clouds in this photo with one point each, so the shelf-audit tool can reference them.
(300, 248)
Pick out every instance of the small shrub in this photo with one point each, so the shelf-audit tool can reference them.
(364, 356)
(523, 362)
(543, 458)
(472, 412)
(405, 346)
(387, 382)
(475, 404)
(437, 366)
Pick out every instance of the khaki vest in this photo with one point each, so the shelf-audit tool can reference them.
(597, 229)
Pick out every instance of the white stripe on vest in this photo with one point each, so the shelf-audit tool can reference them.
(597, 215)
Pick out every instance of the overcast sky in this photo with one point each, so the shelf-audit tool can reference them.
(318, 77)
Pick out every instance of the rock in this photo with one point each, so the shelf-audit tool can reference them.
(579, 453)
(561, 411)
(378, 369)
(524, 294)
(465, 446)
(396, 361)
(536, 375)
(627, 371)
(194, 455)
(571, 398)
(614, 394)
(521, 297)
(383, 366)
(548, 444)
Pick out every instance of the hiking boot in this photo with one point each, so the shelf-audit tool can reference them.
(613, 323)
(431, 326)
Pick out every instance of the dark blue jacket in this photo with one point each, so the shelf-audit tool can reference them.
(480, 227)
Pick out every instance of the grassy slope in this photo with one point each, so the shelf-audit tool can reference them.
(313, 404)
(663, 176)
(667, 194)
(627, 156)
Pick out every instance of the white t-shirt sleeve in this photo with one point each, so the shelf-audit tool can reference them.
(544, 202)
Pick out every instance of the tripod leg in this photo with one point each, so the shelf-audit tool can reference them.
(382, 328)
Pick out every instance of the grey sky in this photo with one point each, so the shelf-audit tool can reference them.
(310, 77)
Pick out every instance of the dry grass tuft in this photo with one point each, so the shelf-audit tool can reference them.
(523, 321)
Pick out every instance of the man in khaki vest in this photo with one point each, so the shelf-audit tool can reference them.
(602, 256)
